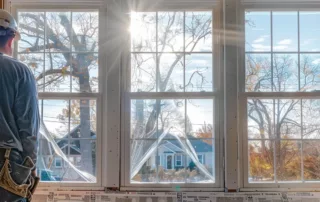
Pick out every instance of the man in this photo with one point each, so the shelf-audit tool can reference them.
(19, 119)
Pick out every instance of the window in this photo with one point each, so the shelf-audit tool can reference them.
(200, 157)
(178, 160)
(61, 48)
(58, 162)
(281, 89)
(172, 96)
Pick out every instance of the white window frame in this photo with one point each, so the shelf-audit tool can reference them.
(266, 5)
(57, 159)
(50, 5)
(149, 5)
(176, 160)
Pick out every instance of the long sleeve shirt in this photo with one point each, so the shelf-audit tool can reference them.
(19, 113)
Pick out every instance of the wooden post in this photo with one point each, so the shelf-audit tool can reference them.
(2, 4)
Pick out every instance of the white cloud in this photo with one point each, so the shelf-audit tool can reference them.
(285, 42)
(260, 47)
(279, 48)
(261, 39)
(316, 61)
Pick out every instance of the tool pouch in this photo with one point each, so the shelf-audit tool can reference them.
(17, 178)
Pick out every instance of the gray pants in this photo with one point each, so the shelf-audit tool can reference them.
(19, 174)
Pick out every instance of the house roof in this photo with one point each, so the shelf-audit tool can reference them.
(199, 145)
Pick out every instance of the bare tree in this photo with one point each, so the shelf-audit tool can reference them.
(70, 47)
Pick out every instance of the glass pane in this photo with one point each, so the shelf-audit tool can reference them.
(311, 161)
(144, 118)
(258, 72)
(285, 31)
(201, 170)
(171, 121)
(35, 62)
(200, 118)
(143, 73)
(85, 29)
(288, 160)
(260, 118)
(85, 72)
(285, 72)
(55, 117)
(143, 167)
(288, 118)
(171, 72)
(311, 118)
(170, 31)
(309, 33)
(57, 73)
(198, 73)
(31, 27)
(83, 118)
(168, 150)
(143, 31)
(78, 157)
(258, 31)
(58, 31)
(261, 161)
(309, 72)
(198, 31)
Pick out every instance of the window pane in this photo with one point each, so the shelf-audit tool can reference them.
(288, 118)
(171, 72)
(309, 72)
(172, 119)
(54, 167)
(260, 119)
(198, 171)
(311, 161)
(57, 73)
(31, 27)
(58, 31)
(258, 31)
(143, 73)
(261, 161)
(170, 31)
(198, 31)
(199, 73)
(288, 160)
(285, 72)
(311, 119)
(143, 123)
(85, 29)
(85, 73)
(200, 118)
(143, 31)
(309, 33)
(55, 117)
(143, 167)
(35, 62)
(258, 72)
(285, 31)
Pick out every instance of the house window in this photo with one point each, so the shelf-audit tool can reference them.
(280, 102)
(172, 88)
(201, 159)
(178, 160)
(61, 48)
(58, 162)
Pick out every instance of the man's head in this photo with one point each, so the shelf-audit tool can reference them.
(8, 32)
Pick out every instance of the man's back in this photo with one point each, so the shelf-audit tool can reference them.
(19, 117)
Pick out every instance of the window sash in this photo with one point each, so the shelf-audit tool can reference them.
(244, 96)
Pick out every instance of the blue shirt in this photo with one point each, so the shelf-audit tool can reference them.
(19, 113)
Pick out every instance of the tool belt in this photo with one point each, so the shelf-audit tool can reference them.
(25, 190)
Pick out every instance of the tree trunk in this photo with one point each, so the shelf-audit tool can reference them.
(85, 132)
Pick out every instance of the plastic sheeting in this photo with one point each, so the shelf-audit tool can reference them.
(55, 151)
